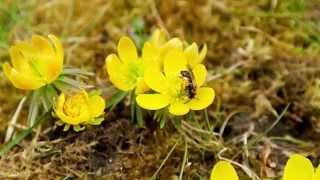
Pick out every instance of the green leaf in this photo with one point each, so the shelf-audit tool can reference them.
(47, 95)
(115, 99)
(96, 92)
(95, 121)
(34, 107)
(163, 122)
(139, 116)
(76, 72)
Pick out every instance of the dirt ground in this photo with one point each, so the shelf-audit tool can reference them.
(263, 62)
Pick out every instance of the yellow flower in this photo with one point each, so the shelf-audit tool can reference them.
(126, 71)
(79, 109)
(35, 63)
(223, 170)
(194, 57)
(157, 46)
(175, 90)
(298, 167)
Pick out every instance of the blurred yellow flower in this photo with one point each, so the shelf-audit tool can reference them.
(35, 63)
(223, 170)
(298, 167)
(178, 87)
(79, 109)
(126, 71)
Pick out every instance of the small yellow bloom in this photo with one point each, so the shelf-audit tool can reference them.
(223, 170)
(172, 89)
(79, 109)
(35, 63)
(126, 71)
(298, 167)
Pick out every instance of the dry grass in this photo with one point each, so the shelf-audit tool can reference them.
(263, 55)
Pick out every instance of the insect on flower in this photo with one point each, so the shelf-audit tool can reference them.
(177, 87)
(189, 83)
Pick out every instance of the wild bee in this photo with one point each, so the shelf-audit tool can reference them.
(190, 86)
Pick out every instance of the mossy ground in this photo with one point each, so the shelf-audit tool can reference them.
(263, 56)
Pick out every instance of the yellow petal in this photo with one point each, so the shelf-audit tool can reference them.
(27, 50)
(127, 50)
(174, 43)
(223, 170)
(174, 62)
(317, 174)
(42, 45)
(116, 76)
(149, 52)
(179, 109)
(203, 53)
(158, 37)
(60, 102)
(96, 106)
(141, 86)
(155, 79)
(18, 61)
(200, 74)
(58, 48)
(152, 101)
(298, 168)
(20, 80)
(192, 54)
(203, 98)
(53, 64)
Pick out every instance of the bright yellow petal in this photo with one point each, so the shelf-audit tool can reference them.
(158, 37)
(192, 54)
(155, 79)
(18, 61)
(116, 76)
(203, 53)
(42, 45)
(203, 98)
(149, 52)
(58, 48)
(174, 43)
(200, 74)
(96, 106)
(141, 86)
(60, 102)
(55, 65)
(152, 101)
(298, 168)
(223, 170)
(179, 109)
(26, 49)
(317, 174)
(21, 81)
(127, 50)
(174, 62)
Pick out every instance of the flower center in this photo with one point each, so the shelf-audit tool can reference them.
(134, 71)
(74, 105)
